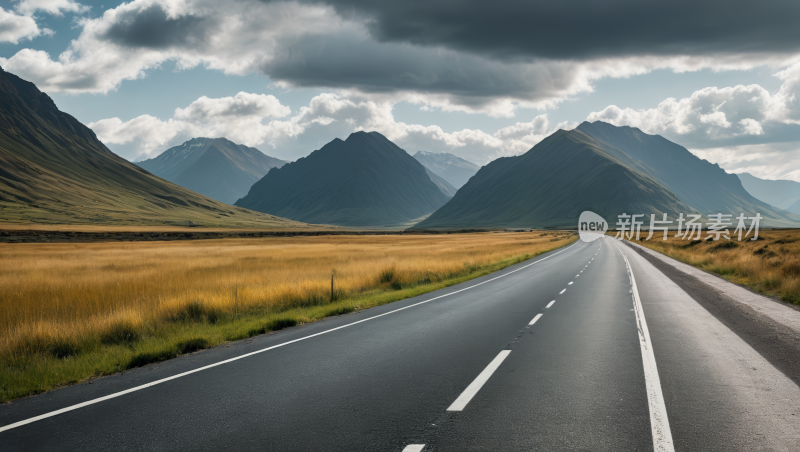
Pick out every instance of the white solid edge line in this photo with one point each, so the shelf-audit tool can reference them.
(414, 448)
(478, 383)
(564, 290)
(550, 304)
(659, 423)
(164, 380)
(538, 316)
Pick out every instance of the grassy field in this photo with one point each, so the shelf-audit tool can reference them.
(69, 312)
(769, 265)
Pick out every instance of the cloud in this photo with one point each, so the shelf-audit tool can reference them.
(294, 45)
(353, 48)
(243, 105)
(20, 26)
(766, 160)
(54, 7)
(787, 101)
(239, 118)
(145, 133)
(714, 116)
(262, 121)
(583, 29)
(15, 27)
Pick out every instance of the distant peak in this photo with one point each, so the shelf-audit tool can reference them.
(608, 125)
(363, 135)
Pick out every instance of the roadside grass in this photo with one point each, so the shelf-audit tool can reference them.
(769, 265)
(99, 334)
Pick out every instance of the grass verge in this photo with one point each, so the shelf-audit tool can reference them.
(769, 265)
(128, 342)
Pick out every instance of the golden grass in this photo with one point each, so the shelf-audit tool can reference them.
(769, 265)
(111, 306)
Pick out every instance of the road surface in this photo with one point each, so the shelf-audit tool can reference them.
(565, 351)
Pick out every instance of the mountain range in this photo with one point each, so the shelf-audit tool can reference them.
(53, 169)
(602, 168)
(454, 170)
(784, 194)
(365, 180)
(215, 167)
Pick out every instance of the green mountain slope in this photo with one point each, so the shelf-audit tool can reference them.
(215, 167)
(53, 169)
(365, 180)
(550, 185)
(779, 193)
(697, 182)
(454, 170)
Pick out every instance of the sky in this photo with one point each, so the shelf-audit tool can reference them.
(478, 79)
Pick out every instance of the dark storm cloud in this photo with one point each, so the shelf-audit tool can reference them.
(583, 29)
(347, 61)
(152, 28)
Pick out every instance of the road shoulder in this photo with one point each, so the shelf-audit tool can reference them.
(769, 327)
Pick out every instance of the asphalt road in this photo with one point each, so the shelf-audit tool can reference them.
(550, 354)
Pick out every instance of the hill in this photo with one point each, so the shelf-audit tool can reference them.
(53, 169)
(454, 170)
(697, 182)
(779, 193)
(365, 180)
(794, 208)
(550, 185)
(599, 167)
(440, 182)
(215, 167)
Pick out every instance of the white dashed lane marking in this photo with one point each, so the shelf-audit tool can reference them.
(414, 448)
(478, 383)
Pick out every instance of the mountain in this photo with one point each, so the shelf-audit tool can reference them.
(365, 180)
(215, 167)
(599, 167)
(778, 193)
(550, 185)
(697, 182)
(454, 170)
(53, 169)
(443, 185)
(794, 208)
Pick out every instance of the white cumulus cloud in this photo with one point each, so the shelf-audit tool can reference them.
(262, 121)
(54, 7)
(16, 27)
(239, 118)
(714, 113)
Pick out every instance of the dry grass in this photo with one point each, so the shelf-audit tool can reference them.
(112, 306)
(769, 265)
